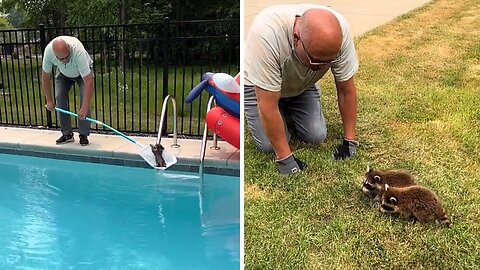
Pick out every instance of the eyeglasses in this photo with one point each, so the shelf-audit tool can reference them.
(64, 58)
(311, 60)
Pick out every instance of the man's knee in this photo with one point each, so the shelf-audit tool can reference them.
(261, 141)
(264, 147)
(60, 98)
(316, 136)
(61, 93)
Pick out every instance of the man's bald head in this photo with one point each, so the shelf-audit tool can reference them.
(61, 49)
(321, 33)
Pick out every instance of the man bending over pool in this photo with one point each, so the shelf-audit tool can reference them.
(74, 65)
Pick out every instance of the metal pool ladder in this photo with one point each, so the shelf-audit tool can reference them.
(164, 110)
(204, 140)
(211, 100)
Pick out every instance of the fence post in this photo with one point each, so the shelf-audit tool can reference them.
(165, 58)
(43, 44)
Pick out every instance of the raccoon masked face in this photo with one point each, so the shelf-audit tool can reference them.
(389, 201)
(372, 182)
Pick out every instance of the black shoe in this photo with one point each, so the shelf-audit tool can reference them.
(83, 140)
(65, 139)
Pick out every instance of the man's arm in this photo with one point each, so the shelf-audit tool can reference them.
(272, 121)
(273, 125)
(347, 104)
(47, 89)
(87, 96)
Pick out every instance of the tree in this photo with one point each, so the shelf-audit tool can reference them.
(205, 10)
(148, 11)
(92, 12)
(15, 16)
(5, 24)
(48, 12)
(59, 13)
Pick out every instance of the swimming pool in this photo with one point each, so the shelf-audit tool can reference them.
(57, 214)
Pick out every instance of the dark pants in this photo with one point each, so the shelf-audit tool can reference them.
(63, 84)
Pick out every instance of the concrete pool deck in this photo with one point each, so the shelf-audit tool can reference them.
(113, 149)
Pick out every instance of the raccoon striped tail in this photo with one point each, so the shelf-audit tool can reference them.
(444, 219)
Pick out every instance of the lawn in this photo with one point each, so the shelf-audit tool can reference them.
(418, 88)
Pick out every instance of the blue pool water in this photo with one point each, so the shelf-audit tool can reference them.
(57, 214)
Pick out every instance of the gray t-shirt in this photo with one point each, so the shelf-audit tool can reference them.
(79, 64)
(270, 62)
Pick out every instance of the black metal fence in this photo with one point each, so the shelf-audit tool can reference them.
(135, 68)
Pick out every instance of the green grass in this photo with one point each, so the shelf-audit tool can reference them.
(116, 96)
(418, 88)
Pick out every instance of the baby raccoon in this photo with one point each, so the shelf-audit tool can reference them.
(414, 201)
(157, 150)
(373, 185)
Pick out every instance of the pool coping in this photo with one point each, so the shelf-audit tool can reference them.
(114, 150)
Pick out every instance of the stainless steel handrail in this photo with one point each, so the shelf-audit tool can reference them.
(205, 134)
(164, 110)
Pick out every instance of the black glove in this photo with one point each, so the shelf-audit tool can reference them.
(290, 165)
(345, 150)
